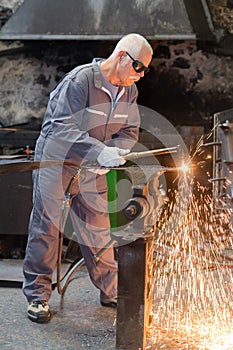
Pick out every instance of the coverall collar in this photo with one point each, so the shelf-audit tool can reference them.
(98, 77)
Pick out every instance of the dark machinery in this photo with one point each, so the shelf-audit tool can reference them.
(223, 164)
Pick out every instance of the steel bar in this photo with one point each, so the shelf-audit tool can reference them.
(12, 167)
(154, 152)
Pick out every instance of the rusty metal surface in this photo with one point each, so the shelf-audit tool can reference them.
(98, 19)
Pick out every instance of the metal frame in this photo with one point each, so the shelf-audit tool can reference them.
(220, 178)
(200, 18)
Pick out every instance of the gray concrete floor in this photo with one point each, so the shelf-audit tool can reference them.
(78, 321)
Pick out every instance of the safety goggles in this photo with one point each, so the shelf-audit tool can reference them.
(138, 66)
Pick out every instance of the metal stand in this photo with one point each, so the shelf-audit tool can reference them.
(134, 294)
(135, 260)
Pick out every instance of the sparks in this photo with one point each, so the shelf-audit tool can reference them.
(193, 278)
(184, 167)
(224, 342)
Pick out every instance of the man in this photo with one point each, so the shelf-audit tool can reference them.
(92, 117)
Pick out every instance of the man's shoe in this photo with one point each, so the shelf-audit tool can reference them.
(109, 302)
(38, 311)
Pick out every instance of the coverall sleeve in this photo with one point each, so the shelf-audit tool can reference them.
(63, 119)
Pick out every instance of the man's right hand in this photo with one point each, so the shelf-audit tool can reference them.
(112, 156)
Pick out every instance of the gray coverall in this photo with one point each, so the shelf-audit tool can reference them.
(81, 118)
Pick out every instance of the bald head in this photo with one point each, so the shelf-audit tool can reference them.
(119, 67)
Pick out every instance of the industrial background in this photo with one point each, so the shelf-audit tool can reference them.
(190, 80)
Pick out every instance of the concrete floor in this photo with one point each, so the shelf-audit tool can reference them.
(79, 322)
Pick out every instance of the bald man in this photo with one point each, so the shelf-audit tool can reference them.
(92, 116)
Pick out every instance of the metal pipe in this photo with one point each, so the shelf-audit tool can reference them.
(154, 152)
(135, 291)
(15, 36)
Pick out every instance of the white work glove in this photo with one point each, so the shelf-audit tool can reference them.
(99, 171)
(112, 156)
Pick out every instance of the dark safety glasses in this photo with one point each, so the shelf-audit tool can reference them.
(138, 66)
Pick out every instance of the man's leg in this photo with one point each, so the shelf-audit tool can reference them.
(42, 247)
(90, 219)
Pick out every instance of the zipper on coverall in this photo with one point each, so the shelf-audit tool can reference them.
(113, 104)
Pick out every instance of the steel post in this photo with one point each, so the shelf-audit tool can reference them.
(134, 293)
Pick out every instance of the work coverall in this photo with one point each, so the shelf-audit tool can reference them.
(81, 118)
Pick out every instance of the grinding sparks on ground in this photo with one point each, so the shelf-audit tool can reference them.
(193, 278)
(224, 342)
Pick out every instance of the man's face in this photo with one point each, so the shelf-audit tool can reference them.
(126, 72)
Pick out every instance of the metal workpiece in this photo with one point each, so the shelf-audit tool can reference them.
(14, 165)
(155, 152)
(10, 164)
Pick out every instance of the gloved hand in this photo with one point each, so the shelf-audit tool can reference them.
(112, 156)
(99, 171)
